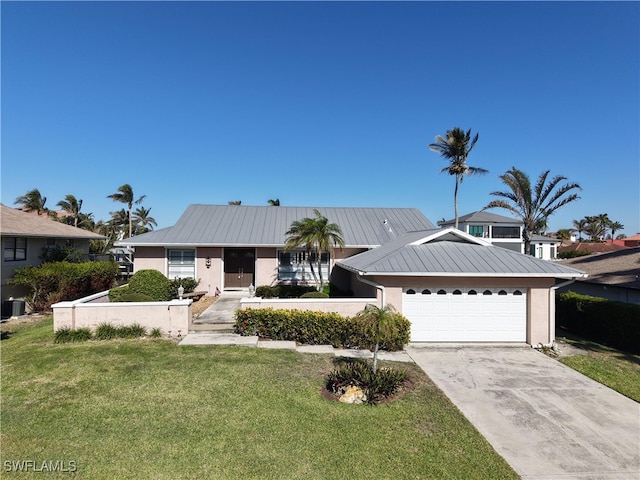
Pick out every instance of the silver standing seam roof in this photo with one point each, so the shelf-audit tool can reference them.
(240, 225)
(450, 252)
(483, 216)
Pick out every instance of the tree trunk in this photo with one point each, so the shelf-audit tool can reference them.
(455, 201)
(375, 358)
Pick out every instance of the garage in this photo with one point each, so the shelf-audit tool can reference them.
(466, 314)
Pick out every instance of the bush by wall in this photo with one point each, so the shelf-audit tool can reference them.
(133, 297)
(611, 323)
(60, 281)
(314, 295)
(315, 328)
(188, 283)
(298, 291)
(152, 283)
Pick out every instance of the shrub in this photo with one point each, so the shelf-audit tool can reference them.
(315, 328)
(131, 331)
(156, 333)
(188, 283)
(133, 297)
(53, 282)
(117, 292)
(150, 282)
(268, 291)
(600, 320)
(69, 335)
(377, 386)
(283, 291)
(314, 295)
(106, 331)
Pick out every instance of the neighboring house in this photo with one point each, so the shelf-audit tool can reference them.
(544, 247)
(496, 229)
(633, 241)
(452, 286)
(25, 236)
(613, 275)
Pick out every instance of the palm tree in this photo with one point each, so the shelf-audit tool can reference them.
(119, 222)
(235, 202)
(580, 226)
(274, 203)
(615, 226)
(317, 235)
(596, 227)
(564, 234)
(143, 220)
(125, 195)
(72, 206)
(32, 201)
(533, 206)
(456, 146)
(378, 323)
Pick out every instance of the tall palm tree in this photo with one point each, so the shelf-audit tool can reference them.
(596, 227)
(72, 206)
(317, 235)
(455, 146)
(144, 222)
(32, 201)
(125, 195)
(615, 226)
(119, 222)
(580, 226)
(535, 206)
(274, 203)
(378, 322)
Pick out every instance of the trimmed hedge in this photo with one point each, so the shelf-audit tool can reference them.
(50, 283)
(188, 283)
(603, 321)
(152, 283)
(315, 328)
(314, 295)
(133, 297)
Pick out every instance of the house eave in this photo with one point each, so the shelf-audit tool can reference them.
(467, 274)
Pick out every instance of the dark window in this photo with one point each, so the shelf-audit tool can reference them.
(517, 292)
(411, 291)
(441, 292)
(426, 291)
(506, 232)
(472, 292)
(476, 230)
(487, 292)
(15, 249)
(457, 292)
(502, 292)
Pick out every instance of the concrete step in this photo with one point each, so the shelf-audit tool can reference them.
(212, 327)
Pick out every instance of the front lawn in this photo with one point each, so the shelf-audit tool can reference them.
(150, 409)
(613, 368)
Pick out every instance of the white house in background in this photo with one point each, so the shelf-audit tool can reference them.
(504, 232)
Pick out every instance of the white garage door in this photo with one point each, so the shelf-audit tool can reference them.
(466, 314)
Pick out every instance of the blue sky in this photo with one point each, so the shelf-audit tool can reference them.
(319, 104)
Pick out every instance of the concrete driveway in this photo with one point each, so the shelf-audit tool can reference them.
(545, 419)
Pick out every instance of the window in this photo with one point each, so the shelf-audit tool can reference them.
(15, 249)
(472, 292)
(411, 291)
(487, 292)
(442, 292)
(506, 232)
(502, 292)
(182, 264)
(296, 265)
(476, 230)
(517, 292)
(457, 292)
(426, 291)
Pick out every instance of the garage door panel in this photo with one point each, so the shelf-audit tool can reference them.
(464, 317)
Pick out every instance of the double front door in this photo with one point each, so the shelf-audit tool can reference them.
(239, 267)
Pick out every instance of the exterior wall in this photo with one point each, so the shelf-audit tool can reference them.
(266, 266)
(544, 250)
(210, 277)
(344, 306)
(173, 318)
(150, 258)
(540, 303)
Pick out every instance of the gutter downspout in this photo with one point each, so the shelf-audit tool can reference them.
(361, 278)
(552, 310)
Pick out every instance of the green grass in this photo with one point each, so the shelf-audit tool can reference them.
(613, 368)
(150, 409)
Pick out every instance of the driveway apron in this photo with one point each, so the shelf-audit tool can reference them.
(545, 419)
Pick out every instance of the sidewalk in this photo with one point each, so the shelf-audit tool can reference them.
(253, 341)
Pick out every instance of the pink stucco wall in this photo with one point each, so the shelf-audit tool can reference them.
(173, 317)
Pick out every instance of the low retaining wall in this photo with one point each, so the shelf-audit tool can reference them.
(173, 317)
(346, 307)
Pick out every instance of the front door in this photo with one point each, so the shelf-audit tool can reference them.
(239, 267)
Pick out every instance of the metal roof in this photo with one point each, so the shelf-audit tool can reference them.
(482, 216)
(16, 223)
(450, 252)
(239, 225)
